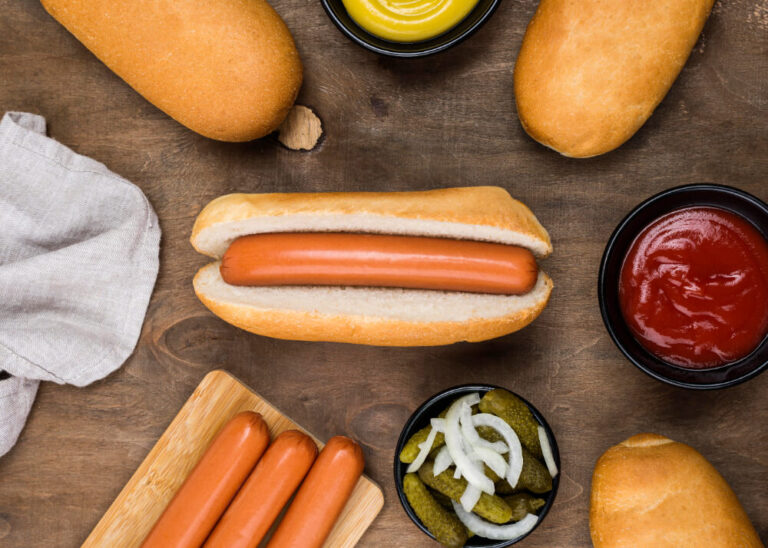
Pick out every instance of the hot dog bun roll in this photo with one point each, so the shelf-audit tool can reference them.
(590, 73)
(652, 491)
(390, 316)
(228, 69)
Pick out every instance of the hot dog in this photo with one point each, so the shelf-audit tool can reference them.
(322, 496)
(265, 492)
(390, 268)
(202, 498)
(377, 260)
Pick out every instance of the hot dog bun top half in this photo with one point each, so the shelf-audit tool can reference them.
(371, 315)
(228, 69)
(487, 214)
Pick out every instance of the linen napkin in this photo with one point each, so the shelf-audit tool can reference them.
(78, 261)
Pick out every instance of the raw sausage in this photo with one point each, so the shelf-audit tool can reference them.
(379, 261)
(209, 488)
(321, 497)
(265, 492)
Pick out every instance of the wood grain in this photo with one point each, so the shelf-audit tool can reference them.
(389, 124)
(217, 399)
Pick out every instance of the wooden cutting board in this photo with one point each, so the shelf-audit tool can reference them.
(217, 399)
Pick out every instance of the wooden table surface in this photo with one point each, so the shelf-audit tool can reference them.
(448, 120)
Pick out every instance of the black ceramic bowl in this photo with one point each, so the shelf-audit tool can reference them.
(479, 15)
(724, 197)
(432, 408)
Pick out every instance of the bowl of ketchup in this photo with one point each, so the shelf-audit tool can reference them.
(683, 286)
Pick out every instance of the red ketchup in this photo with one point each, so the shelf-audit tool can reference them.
(694, 287)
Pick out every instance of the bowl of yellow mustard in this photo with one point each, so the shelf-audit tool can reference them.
(409, 28)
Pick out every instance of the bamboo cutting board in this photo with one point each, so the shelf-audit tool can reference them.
(216, 400)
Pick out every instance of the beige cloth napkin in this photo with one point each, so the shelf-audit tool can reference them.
(78, 261)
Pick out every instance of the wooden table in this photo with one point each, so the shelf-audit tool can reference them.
(448, 120)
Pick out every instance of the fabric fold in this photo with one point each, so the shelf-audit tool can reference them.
(79, 250)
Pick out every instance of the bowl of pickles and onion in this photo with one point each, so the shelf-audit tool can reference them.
(477, 466)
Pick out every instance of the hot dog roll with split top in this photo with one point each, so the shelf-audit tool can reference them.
(395, 269)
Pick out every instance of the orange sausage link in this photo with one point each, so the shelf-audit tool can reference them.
(205, 494)
(321, 497)
(379, 261)
(265, 492)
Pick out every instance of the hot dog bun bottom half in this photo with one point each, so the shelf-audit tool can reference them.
(371, 315)
(651, 491)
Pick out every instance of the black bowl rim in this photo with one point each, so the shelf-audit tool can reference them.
(399, 468)
(601, 295)
(442, 46)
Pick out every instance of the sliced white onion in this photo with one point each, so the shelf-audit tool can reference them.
(473, 473)
(471, 435)
(515, 455)
(470, 497)
(492, 531)
(497, 446)
(456, 474)
(493, 459)
(546, 450)
(438, 424)
(424, 448)
(443, 461)
(472, 399)
(479, 449)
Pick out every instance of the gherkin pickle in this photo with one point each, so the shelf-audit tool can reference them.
(411, 448)
(442, 499)
(502, 487)
(493, 476)
(446, 501)
(446, 527)
(534, 477)
(522, 504)
(515, 413)
(490, 507)
(489, 434)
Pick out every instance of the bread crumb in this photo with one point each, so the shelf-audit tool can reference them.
(301, 129)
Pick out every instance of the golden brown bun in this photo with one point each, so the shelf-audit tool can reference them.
(650, 491)
(227, 69)
(485, 213)
(591, 72)
(380, 316)
(320, 324)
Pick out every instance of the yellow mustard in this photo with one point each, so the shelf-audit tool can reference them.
(408, 20)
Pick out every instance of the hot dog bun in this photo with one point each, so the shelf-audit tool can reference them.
(652, 491)
(228, 69)
(379, 316)
(590, 73)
